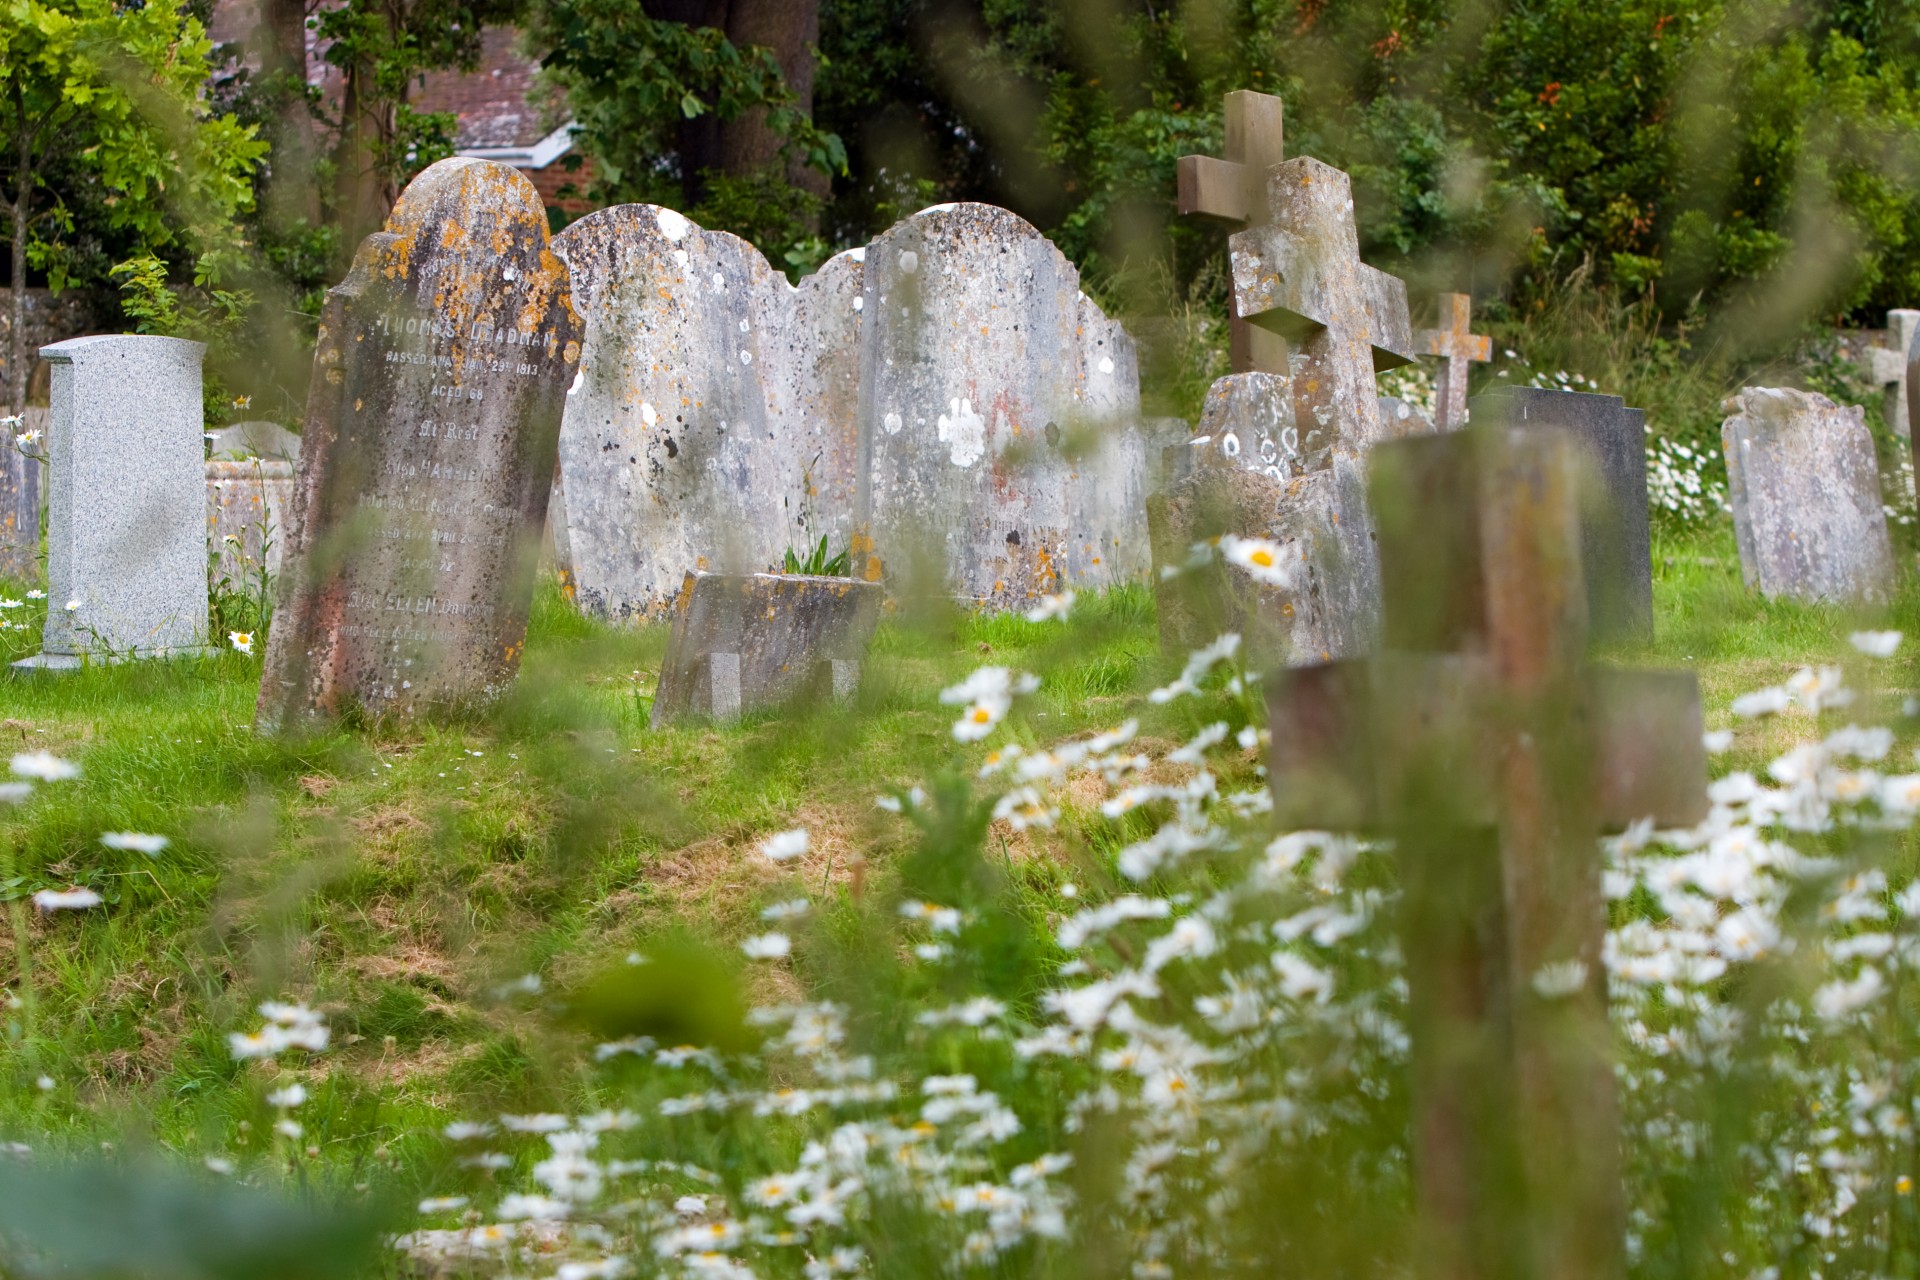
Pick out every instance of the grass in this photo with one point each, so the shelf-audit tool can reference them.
(402, 877)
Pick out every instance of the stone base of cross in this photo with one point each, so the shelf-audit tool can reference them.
(1482, 741)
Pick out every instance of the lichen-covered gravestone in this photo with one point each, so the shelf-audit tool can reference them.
(427, 456)
(1616, 533)
(998, 416)
(126, 542)
(1805, 491)
(1299, 274)
(713, 426)
(747, 642)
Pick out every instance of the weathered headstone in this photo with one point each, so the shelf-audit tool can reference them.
(998, 413)
(1456, 347)
(1400, 419)
(22, 444)
(713, 426)
(1232, 192)
(257, 439)
(1481, 742)
(1888, 366)
(1616, 531)
(748, 642)
(1805, 490)
(248, 505)
(427, 456)
(126, 542)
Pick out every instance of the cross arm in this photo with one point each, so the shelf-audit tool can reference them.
(1358, 745)
(1213, 189)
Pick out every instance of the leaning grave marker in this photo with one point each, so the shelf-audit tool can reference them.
(1888, 366)
(1301, 274)
(1805, 490)
(713, 423)
(745, 642)
(427, 456)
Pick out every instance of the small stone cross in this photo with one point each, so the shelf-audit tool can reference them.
(1480, 740)
(1233, 192)
(1888, 366)
(1455, 347)
(1300, 275)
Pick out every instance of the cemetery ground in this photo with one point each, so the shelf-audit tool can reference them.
(439, 892)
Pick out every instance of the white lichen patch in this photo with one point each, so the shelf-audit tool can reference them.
(964, 432)
(892, 423)
(672, 225)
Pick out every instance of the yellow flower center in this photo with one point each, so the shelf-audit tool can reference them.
(1262, 557)
(981, 715)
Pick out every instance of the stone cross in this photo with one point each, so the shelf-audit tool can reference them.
(1300, 275)
(126, 531)
(1804, 484)
(427, 457)
(750, 642)
(1483, 743)
(1456, 347)
(1233, 193)
(1888, 366)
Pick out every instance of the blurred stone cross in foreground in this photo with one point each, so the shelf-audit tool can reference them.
(1233, 193)
(1484, 744)
(1456, 347)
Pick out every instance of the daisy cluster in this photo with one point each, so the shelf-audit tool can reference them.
(1224, 1018)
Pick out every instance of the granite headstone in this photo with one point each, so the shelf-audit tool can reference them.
(748, 642)
(126, 542)
(427, 456)
(1616, 532)
(1805, 492)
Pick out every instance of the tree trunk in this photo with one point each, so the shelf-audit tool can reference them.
(364, 192)
(280, 43)
(17, 309)
(745, 146)
(789, 29)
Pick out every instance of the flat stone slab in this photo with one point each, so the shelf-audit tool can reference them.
(126, 542)
(747, 642)
(427, 457)
(1616, 528)
(1804, 485)
(257, 439)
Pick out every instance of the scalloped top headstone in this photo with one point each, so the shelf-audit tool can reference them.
(427, 456)
(713, 423)
(946, 395)
(998, 412)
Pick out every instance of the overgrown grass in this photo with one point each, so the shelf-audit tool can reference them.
(404, 877)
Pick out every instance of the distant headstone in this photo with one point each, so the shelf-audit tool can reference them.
(747, 642)
(248, 505)
(1805, 491)
(427, 456)
(126, 543)
(1616, 532)
(713, 424)
(1457, 348)
(22, 444)
(242, 440)
(997, 413)
(1400, 419)
(1888, 366)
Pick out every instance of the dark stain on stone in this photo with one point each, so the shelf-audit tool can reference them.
(673, 450)
(1013, 538)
